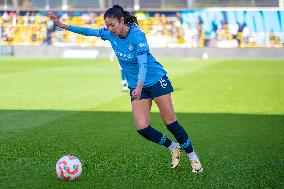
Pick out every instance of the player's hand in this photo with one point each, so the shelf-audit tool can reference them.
(55, 19)
(136, 93)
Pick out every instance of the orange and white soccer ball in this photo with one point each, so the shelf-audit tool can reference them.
(68, 168)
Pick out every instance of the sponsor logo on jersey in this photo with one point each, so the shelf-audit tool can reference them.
(130, 47)
(123, 56)
(142, 44)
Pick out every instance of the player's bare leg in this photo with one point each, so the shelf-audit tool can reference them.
(141, 113)
(168, 115)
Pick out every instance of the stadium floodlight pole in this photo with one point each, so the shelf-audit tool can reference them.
(136, 5)
(64, 5)
(102, 4)
(110, 3)
(15, 4)
(47, 5)
(163, 4)
(5, 5)
(281, 3)
(252, 3)
(190, 3)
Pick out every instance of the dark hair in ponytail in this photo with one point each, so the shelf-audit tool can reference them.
(117, 12)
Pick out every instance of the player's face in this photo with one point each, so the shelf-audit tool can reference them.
(114, 25)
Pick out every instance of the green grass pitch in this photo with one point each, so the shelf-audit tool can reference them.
(232, 109)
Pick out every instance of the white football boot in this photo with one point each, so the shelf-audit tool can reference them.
(196, 166)
(175, 157)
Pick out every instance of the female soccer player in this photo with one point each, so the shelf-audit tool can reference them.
(146, 78)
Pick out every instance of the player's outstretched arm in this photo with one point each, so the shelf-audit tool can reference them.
(56, 21)
(76, 29)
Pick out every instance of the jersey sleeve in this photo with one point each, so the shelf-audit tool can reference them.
(142, 44)
(103, 32)
(142, 51)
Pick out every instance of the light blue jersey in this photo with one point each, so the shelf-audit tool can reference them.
(132, 52)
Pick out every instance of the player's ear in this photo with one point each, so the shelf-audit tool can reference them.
(121, 20)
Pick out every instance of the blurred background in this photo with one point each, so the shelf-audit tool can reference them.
(225, 59)
(186, 27)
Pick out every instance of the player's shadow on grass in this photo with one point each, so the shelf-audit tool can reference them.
(17, 121)
(112, 152)
(118, 125)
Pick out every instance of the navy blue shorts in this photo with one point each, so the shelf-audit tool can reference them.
(162, 87)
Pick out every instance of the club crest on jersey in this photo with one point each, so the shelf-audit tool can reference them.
(163, 83)
(130, 47)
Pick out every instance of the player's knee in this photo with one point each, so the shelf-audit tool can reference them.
(168, 119)
(141, 124)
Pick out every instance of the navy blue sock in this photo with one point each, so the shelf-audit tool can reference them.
(155, 136)
(181, 136)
